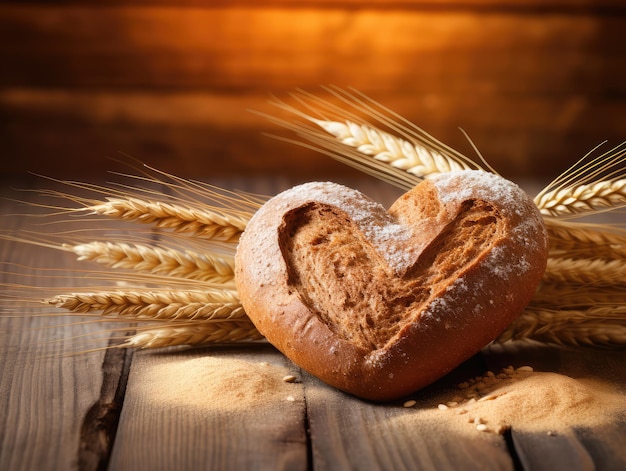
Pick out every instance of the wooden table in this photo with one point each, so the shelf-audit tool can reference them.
(175, 410)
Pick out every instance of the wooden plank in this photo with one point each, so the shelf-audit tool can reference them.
(229, 407)
(348, 433)
(171, 91)
(203, 135)
(235, 49)
(605, 445)
(541, 452)
(211, 409)
(46, 395)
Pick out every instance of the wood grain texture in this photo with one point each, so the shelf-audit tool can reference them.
(537, 452)
(45, 394)
(347, 433)
(170, 421)
(250, 48)
(535, 84)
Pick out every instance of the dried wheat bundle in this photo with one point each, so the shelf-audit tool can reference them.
(579, 303)
(583, 256)
(581, 300)
(186, 255)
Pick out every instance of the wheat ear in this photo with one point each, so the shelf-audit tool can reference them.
(364, 134)
(196, 333)
(587, 271)
(154, 304)
(591, 185)
(224, 226)
(580, 240)
(602, 326)
(579, 199)
(573, 296)
(402, 154)
(219, 269)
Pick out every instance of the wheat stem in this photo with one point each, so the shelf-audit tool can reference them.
(576, 296)
(159, 260)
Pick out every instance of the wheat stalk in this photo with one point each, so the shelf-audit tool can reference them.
(601, 326)
(587, 271)
(578, 302)
(154, 304)
(370, 137)
(557, 296)
(224, 226)
(402, 154)
(580, 199)
(219, 269)
(197, 333)
(589, 186)
(575, 239)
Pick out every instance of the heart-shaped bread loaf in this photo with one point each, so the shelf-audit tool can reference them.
(380, 304)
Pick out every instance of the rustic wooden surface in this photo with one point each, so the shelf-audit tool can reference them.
(45, 396)
(126, 411)
(536, 84)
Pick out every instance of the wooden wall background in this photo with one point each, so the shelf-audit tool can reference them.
(535, 83)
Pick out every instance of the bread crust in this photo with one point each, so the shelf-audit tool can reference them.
(463, 313)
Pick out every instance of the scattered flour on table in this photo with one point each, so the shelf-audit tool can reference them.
(218, 383)
(528, 400)
(520, 398)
